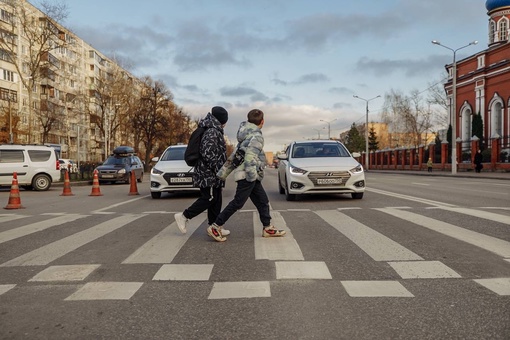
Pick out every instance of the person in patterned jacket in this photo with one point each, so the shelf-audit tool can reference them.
(213, 154)
(248, 176)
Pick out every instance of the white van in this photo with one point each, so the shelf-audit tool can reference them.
(37, 166)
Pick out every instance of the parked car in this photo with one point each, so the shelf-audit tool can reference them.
(171, 173)
(36, 166)
(120, 165)
(319, 167)
(68, 164)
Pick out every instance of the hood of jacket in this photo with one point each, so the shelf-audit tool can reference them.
(209, 121)
(247, 130)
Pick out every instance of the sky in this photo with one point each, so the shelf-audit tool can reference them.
(299, 61)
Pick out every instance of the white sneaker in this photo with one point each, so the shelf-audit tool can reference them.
(225, 232)
(181, 222)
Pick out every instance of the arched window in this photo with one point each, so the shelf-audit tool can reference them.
(465, 131)
(503, 29)
(496, 118)
(492, 32)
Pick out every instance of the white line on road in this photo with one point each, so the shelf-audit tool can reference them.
(410, 198)
(375, 244)
(101, 211)
(53, 251)
(489, 243)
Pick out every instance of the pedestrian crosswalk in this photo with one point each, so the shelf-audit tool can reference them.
(160, 248)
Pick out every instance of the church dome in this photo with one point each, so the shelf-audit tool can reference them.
(494, 4)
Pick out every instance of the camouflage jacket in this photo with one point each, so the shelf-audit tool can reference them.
(251, 142)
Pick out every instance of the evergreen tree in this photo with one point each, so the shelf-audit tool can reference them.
(373, 143)
(354, 141)
(477, 128)
(449, 139)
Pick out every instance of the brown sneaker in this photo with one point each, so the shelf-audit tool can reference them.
(271, 231)
(215, 232)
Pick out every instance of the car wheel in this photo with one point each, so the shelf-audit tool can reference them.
(156, 195)
(141, 178)
(280, 188)
(357, 195)
(41, 182)
(289, 197)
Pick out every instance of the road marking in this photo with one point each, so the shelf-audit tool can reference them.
(10, 217)
(481, 214)
(65, 273)
(163, 247)
(275, 248)
(184, 272)
(375, 244)
(410, 198)
(424, 184)
(500, 286)
(102, 210)
(37, 226)
(376, 289)
(423, 270)
(239, 290)
(302, 270)
(6, 288)
(54, 250)
(106, 291)
(489, 243)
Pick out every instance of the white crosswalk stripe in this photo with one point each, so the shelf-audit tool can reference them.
(289, 262)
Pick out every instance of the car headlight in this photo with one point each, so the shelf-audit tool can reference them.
(296, 170)
(357, 169)
(122, 171)
(156, 171)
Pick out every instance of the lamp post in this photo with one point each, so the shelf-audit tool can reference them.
(453, 112)
(366, 128)
(329, 126)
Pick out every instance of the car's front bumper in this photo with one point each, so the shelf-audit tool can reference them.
(326, 183)
(169, 182)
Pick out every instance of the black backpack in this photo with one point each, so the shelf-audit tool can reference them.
(192, 153)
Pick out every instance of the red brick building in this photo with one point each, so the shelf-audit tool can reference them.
(483, 85)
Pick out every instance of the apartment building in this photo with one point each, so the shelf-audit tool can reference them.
(57, 89)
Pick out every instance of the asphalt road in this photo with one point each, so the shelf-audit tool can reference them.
(419, 257)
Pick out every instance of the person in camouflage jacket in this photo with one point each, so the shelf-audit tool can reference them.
(248, 176)
(213, 154)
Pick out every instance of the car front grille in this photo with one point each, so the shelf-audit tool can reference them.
(179, 178)
(339, 177)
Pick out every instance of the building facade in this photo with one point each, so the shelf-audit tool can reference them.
(52, 87)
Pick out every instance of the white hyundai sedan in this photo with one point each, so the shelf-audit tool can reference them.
(171, 173)
(319, 167)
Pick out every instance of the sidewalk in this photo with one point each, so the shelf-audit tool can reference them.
(460, 174)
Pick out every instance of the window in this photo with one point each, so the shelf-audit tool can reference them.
(492, 32)
(39, 155)
(8, 75)
(503, 30)
(481, 61)
(11, 156)
(6, 16)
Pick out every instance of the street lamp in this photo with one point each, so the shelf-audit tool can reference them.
(366, 128)
(329, 126)
(453, 112)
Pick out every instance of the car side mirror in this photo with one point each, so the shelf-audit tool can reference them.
(155, 159)
(283, 157)
(356, 154)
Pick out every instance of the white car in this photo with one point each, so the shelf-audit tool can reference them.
(171, 173)
(36, 166)
(319, 167)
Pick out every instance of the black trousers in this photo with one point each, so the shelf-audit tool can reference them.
(256, 193)
(210, 199)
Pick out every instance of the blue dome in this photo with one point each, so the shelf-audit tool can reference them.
(493, 4)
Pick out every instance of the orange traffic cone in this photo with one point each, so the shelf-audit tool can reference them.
(95, 186)
(133, 189)
(14, 199)
(67, 186)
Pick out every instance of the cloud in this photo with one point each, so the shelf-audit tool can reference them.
(310, 78)
(409, 67)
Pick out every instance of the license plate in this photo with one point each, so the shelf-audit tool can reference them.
(181, 180)
(329, 181)
(107, 176)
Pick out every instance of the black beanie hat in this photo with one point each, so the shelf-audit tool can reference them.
(220, 113)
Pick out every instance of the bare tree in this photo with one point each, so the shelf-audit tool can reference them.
(37, 36)
(407, 116)
(438, 102)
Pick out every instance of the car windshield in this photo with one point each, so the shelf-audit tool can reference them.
(116, 161)
(173, 154)
(310, 150)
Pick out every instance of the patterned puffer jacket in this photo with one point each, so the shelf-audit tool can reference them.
(213, 152)
(251, 142)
